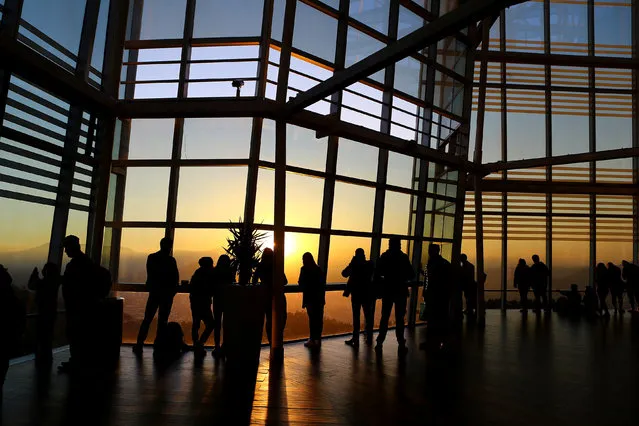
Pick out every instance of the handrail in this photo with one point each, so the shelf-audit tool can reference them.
(289, 288)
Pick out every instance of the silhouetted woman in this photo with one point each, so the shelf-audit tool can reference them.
(201, 291)
(522, 283)
(224, 277)
(616, 287)
(46, 298)
(265, 274)
(12, 319)
(360, 287)
(603, 288)
(313, 285)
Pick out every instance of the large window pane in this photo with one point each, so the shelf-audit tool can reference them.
(60, 20)
(211, 194)
(146, 193)
(613, 29)
(342, 250)
(568, 28)
(353, 207)
(264, 205)
(136, 244)
(242, 18)
(163, 19)
(357, 160)
(526, 131)
(216, 138)
(303, 149)
(151, 138)
(396, 213)
(400, 170)
(304, 197)
(373, 13)
(189, 245)
(315, 32)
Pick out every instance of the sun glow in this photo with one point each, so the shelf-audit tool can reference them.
(290, 243)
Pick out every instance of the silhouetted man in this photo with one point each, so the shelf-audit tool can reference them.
(201, 291)
(81, 296)
(394, 270)
(360, 274)
(437, 297)
(631, 275)
(46, 297)
(616, 287)
(469, 285)
(265, 274)
(522, 283)
(539, 279)
(12, 319)
(602, 280)
(162, 279)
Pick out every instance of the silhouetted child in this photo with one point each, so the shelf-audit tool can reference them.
(201, 291)
(603, 287)
(46, 290)
(224, 277)
(312, 282)
(12, 321)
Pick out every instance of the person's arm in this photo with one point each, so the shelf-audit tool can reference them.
(302, 280)
(348, 270)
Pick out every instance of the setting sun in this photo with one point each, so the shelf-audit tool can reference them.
(290, 246)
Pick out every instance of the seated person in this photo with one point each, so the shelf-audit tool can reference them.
(572, 303)
(590, 302)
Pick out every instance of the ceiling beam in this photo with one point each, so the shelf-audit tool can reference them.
(205, 107)
(446, 25)
(529, 58)
(555, 187)
(612, 154)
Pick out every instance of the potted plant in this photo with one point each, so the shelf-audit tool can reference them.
(243, 302)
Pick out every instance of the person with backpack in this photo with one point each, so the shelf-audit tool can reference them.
(393, 271)
(312, 282)
(12, 323)
(359, 286)
(82, 291)
(201, 291)
(162, 280)
(46, 299)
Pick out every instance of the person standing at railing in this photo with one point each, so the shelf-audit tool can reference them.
(602, 280)
(46, 297)
(162, 280)
(522, 283)
(224, 277)
(616, 287)
(12, 322)
(393, 271)
(359, 286)
(312, 282)
(539, 279)
(630, 273)
(201, 291)
(437, 294)
(469, 285)
(265, 274)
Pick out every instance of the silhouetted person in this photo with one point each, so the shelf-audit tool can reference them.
(616, 287)
(360, 274)
(602, 280)
(81, 297)
(437, 297)
(572, 304)
(393, 271)
(539, 280)
(265, 274)
(224, 277)
(630, 273)
(162, 279)
(312, 282)
(590, 303)
(522, 283)
(469, 285)
(46, 299)
(201, 292)
(12, 320)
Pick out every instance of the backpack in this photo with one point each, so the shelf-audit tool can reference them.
(102, 281)
(171, 342)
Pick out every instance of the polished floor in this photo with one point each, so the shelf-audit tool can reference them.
(546, 371)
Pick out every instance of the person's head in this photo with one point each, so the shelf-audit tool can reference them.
(535, 258)
(360, 254)
(307, 259)
(206, 262)
(267, 256)
(611, 265)
(166, 245)
(463, 258)
(600, 267)
(395, 244)
(50, 270)
(71, 245)
(433, 250)
(224, 261)
(625, 263)
(574, 288)
(522, 262)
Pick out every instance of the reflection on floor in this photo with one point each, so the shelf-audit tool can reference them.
(548, 371)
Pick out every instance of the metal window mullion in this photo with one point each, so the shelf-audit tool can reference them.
(635, 129)
(504, 157)
(258, 122)
(382, 159)
(87, 39)
(9, 24)
(548, 120)
(592, 142)
(333, 141)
